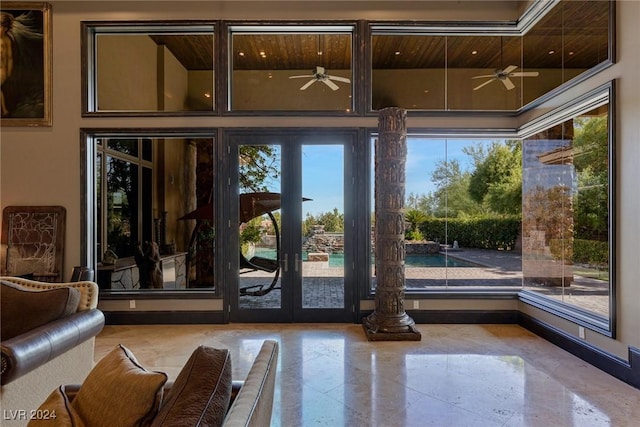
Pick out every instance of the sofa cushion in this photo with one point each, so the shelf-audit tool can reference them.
(25, 309)
(55, 411)
(119, 392)
(201, 392)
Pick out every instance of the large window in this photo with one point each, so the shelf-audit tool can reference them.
(567, 213)
(534, 214)
(154, 211)
(148, 68)
(341, 68)
(531, 213)
(291, 68)
(462, 213)
(449, 68)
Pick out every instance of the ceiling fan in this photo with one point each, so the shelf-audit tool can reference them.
(503, 75)
(319, 75)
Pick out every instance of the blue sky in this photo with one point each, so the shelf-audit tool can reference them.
(322, 178)
(323, 166)
(323, 170)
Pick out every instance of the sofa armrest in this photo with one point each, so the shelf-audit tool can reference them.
(88, 290)
(32, 349)
(254, 402)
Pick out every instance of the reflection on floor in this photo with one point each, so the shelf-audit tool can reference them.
(458, 375)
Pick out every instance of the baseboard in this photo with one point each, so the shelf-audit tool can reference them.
(464, 316)
(629, 372)
(163, 317)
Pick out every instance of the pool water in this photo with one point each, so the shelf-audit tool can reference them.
(411, 261)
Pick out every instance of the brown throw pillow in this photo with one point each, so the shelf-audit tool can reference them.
(24, 309)
(55, 411)
(200, 394)
(119, 392)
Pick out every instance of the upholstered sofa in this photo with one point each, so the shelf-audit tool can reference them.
(47, 339)
(120, 392)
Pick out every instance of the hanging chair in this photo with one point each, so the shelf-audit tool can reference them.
(251, 205)
(257, 263)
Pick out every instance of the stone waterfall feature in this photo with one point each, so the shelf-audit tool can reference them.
(389, 321)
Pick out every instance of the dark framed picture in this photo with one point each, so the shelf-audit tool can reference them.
(25, 63)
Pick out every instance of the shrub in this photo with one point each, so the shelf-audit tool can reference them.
(591, 252)
(479, 232)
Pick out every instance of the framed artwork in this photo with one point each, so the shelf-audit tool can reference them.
(25, 63)
(34, 240)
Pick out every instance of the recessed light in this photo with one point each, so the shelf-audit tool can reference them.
(551, 52)
(571, 53)
(474, 52)
(241, 53)
(319, 53)
(397, 52)
(207, 95)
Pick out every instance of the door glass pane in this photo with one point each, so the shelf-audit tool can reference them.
(260, 226)
(322, 226)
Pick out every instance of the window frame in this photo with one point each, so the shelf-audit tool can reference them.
(599, 96)
(91, 29)
(229, 28)
(88, 203)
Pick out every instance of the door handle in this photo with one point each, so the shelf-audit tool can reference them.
(285, 263)
(297, 260)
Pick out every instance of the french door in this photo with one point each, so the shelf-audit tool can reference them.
(291, 219)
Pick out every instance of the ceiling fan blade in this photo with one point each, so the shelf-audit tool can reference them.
(486, 76)
(307, 84)
(483, 84)
(509, 69)
(508, 83)
(339, 79)
(331, 84)
(525, 74)
(300, 77)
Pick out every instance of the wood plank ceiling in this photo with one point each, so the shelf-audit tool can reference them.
(574, 33)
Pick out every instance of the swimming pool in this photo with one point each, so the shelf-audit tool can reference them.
(411, 261)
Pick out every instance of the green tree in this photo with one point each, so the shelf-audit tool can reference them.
(496, 180)
(452, 197)
(425, 203)
(414, 217)
(333, 222)
(259, 166)
(591, 162)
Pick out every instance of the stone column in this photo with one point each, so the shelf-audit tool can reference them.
(389, 321)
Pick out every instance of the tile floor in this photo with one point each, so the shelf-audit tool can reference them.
(458, 375)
